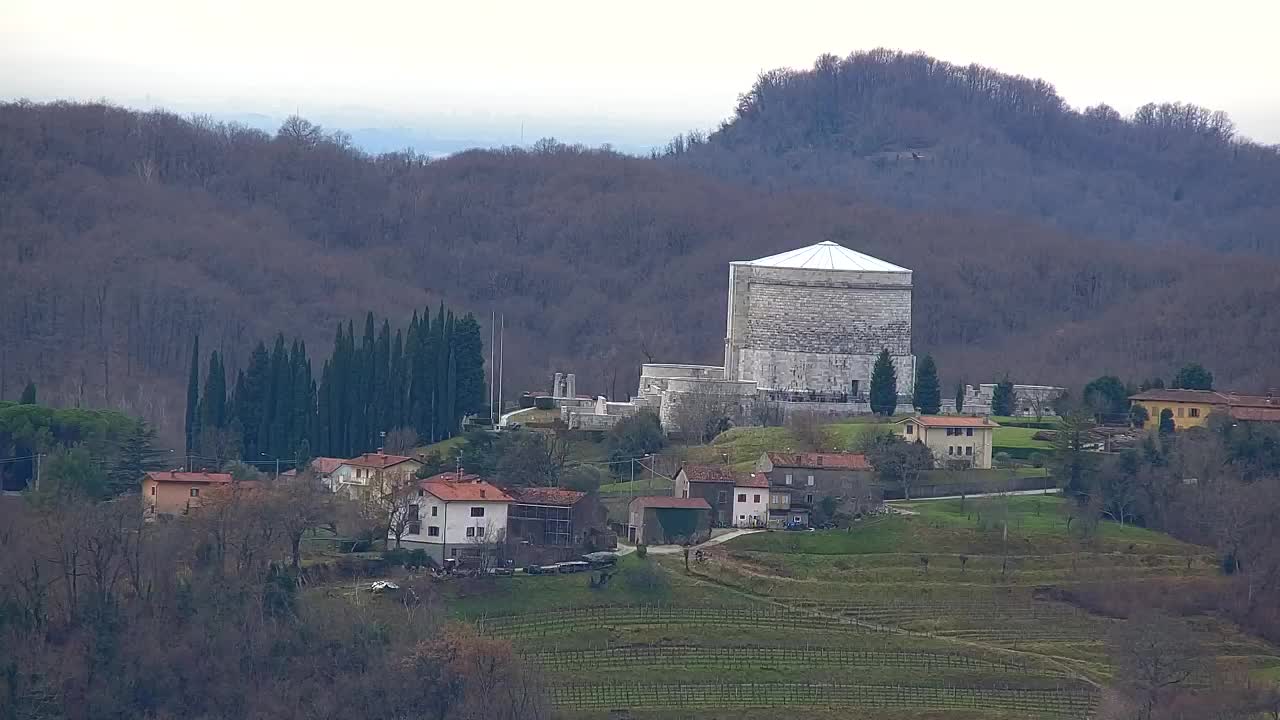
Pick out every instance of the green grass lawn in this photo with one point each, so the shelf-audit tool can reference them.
(1018, 437)
(1037, 525)
(646, 486)
(444, 448)
(548, 593)
(743, 446)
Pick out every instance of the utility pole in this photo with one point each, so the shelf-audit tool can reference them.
(502, 354)
(37, 474)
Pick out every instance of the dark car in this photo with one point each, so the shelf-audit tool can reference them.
(573, 566)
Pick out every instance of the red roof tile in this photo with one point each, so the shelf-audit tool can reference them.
(1259, 401)
(470, 489)
(752, 480)
(666, 501)
(325, 465)
(946, 421)
(1258, 414)
(377, 461)
(1171, 395)
(820, 461)
(189, 477)
(546, 496)
(708, 473)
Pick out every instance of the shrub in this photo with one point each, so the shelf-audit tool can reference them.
(642, 551)
(1002, 458)
(396, 557)
(647, 580)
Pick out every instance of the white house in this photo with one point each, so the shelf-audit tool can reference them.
(377, 471)
(956, 440)
(751, 500)
(456, 516)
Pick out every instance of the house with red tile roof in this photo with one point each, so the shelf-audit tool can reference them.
(552, 517)
(177, 493)
(955, 440)
(456, 515)
(800, 481)
(713, 483)
(751, 500)
(666, 520)
(372, 472)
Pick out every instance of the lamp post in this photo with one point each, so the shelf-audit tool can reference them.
(277, 463)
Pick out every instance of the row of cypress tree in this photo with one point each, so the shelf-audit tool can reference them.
(927, 397)
(425, 377)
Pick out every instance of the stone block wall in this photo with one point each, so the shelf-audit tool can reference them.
(820, 372)
(794, 329)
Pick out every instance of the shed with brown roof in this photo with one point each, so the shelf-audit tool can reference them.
(666, 520)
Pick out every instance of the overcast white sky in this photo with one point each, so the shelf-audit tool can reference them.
(631, 69)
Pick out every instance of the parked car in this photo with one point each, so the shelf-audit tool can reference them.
(599, 560)
(573, 566)
(796, 525)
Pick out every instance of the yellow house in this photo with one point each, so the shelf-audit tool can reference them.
(1190, 408)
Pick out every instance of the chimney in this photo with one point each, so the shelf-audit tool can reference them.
(481, 493)
(555, 385)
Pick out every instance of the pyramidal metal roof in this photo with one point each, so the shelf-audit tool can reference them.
(826, 255)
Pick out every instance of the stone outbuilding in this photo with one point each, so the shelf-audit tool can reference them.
(665, 520)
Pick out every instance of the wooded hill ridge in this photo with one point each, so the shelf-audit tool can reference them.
(917, 132)
(125, 233)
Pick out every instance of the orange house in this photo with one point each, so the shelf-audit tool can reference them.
(176, 493)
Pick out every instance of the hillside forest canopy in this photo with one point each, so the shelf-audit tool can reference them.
(1053, 244)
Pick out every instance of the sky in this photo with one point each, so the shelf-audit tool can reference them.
(628, 73)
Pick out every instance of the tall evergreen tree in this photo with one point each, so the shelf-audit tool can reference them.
(253, 402)
(928, 396)
(439, 413)
(398, 385)
(1003, 399)
(28, 394)
(324, 444)
(469, 348)
(884, 385)
(959, 397)
(136, 457)
(193, 398)
(213, 403)
(382, 421)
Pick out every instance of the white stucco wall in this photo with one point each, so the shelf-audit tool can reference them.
(752, 512)
(453, 519)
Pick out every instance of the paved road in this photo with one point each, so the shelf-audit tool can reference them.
(1050, 491)
(624, 549)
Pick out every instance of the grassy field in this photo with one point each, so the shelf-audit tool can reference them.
(1019, 437)
(818, 622)
(743, 446)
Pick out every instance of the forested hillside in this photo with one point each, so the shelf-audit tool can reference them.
(123, 234)
(918, 132)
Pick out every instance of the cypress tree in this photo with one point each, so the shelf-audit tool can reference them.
(351, 403)
(884, 385)
(368, 382)
(276, 410)
(382, 381)
(451, 397)
(28, 394)
(928, 396)
(1002, 399)
(193, 398)
(397, 386)
(213, 405)
(252, 402)
(324, 413)
(444, 336)
(469, 349)
(959, 397)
